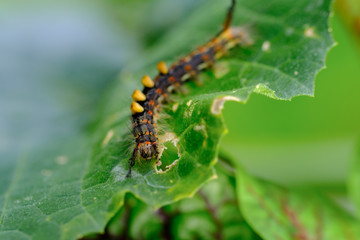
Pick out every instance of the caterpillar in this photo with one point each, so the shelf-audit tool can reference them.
(147, 103)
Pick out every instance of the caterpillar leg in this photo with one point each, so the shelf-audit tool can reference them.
(131, 163)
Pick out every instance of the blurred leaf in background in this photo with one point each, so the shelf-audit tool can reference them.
(56, 58)
(277, 213)
(212, 213)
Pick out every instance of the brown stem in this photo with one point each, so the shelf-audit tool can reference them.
(213, 214)
(166, 219)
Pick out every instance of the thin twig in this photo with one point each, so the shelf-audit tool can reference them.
(213, 214)
(166, 219)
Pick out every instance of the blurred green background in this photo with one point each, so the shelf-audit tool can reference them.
(57, 59)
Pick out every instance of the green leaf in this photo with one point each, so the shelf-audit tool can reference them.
(354, 179)
(42, 196)
(277, 213)
(212, 213)
(281, 70)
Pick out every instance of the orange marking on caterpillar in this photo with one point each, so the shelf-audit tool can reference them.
(218, 48)
(202, 49)
(205, 57)
(188, 67)
(172, 79)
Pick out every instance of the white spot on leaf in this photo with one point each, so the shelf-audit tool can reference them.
(120, 174)
(168, 137)
(167, 167)
(62, 160)
(199, 128)
(309, 32)
(175, 107)
(296, 73)
(221, 69)
(266, 46)
(189, 111)
(46, 172)
(218, 103)
(108, 137)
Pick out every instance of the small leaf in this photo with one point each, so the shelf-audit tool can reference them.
(277, 213)
(216, 205)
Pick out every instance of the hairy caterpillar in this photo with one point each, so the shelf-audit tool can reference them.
(147, 102)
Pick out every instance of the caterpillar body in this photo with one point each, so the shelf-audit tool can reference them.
(147, 103)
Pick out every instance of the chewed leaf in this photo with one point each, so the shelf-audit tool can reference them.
(277, 213)
(290, 42)
(282, 62)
